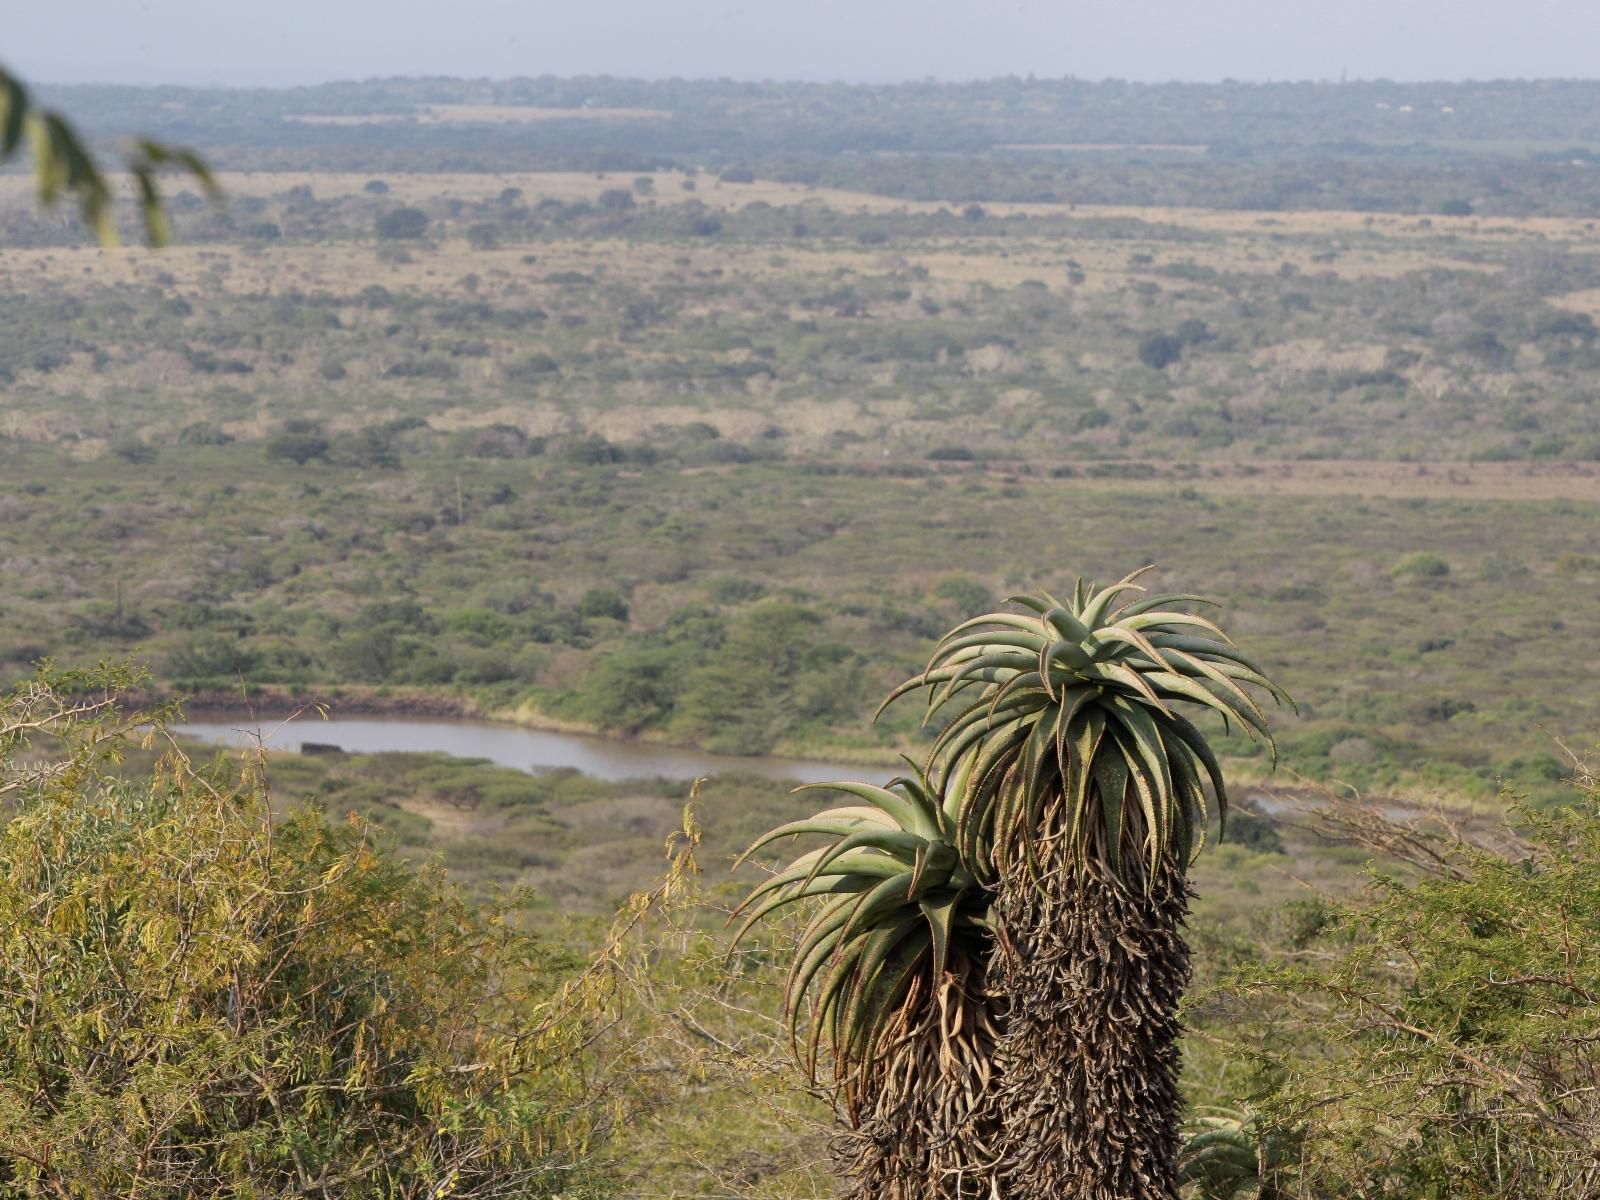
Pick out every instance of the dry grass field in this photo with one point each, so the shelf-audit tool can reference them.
(408, 187)
(940, 320)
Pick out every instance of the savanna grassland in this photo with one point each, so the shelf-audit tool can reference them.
(697, 413)
(559, 439)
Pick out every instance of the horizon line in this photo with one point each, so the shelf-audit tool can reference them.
(45, 80)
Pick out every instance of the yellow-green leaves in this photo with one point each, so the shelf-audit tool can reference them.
(200, 998)
(64, 166)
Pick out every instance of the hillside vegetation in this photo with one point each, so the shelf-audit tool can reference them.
(697, 413)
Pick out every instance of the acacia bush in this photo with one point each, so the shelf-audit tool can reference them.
(203, 1001)
(1454, 1013)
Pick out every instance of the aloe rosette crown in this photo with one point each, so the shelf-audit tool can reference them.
(900, 905)
(1083, 704)
(1233, 1155)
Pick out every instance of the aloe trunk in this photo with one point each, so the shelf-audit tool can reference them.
(927, 1125)
(1094, 968)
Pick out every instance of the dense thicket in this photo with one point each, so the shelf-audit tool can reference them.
(1437, 1039)
(202, 1001)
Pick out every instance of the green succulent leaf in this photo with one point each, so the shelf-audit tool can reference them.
(891, 902)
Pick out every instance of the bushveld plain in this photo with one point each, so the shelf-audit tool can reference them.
(711, 453)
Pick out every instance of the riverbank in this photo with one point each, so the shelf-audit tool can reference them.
(267, 706)
(278, 702)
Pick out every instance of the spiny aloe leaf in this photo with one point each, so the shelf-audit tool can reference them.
(903, 810)
(1094, 612)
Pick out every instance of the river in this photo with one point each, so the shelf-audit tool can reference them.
(525, 749)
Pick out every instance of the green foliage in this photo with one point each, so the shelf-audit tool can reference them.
(297, 447)
(63, 165)
(963, 593)
(135, 452)
(1253, 832)
(1231, 1155)
(900, 905)
(1455, 1012)
(1160, 350)
(603, 602)
(723, 700)
(211, 1002)
(704, 679)
(1422, 565)
(402, 224)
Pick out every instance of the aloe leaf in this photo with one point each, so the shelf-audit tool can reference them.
(1153, 806)
(844, 958)
(941, 915)
(874, 996)
(1196, 741)
(1161, 619)
(1003, 619)
(1093, 613)
(1150, 603)
(1117, 673)
(903, 811)
(895, 844)
(1071, 653)
(1025, 681)
(1221, 678)
(824, 926)
(841, 827)
(1132, 637)
(1147, 737)
(887, 896)
(1006, 660)
(1111, 780)
(1067, 624)
(1179, 687)
(830, 885)
(1013, 638)
(974, 716)
(1205, 646)
(975, 734)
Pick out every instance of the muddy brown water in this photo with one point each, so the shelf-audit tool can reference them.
(532, 750)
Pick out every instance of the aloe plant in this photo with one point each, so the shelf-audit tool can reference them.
(893, 963)
(1082, 705)
(1230, 1154)
(1045, 844)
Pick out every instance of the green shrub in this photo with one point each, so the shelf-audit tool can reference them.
(1421, 565)
(298, 448)
(603, 602)
(1454, 1010)
(207, 1001)
(402, 224)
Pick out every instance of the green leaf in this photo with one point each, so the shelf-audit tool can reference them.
(1093, 614)
(941, 914)
(13, 112)
(1161, 619)
(1111, 780)
(905, 812)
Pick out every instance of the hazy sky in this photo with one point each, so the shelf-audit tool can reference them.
(304, 41)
